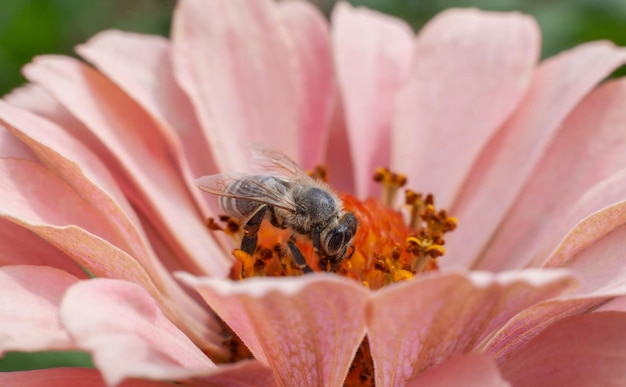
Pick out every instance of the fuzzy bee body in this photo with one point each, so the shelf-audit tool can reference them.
(290, 199)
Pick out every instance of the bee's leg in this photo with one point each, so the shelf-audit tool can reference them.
(298, 257)
(317, 239)
(250, 229)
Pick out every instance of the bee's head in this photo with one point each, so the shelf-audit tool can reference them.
(337, 239)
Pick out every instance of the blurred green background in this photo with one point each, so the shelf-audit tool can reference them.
(32, 27)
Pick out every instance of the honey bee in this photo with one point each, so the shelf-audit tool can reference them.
(290, 199)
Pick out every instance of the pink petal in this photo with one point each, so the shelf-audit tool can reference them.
(35, 99)
(233, 60)
(307, 329)
(29, 303)
(32, 197)
(416, 325)
(138, 153)
(63, 377)
(470, 71)
(372, 55)
(596, 250)
(11, 147)
(507, 162)
(590, 143)
(140, 65)
(69, 159)
(22, 247)
(127, 334)
(464, 370)
(311, 44)
(31, 194)
(247, 373)
(587, 350)
(529, 323)
(341, 173)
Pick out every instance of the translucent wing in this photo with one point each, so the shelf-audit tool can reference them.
(267, 160)
(262, 189)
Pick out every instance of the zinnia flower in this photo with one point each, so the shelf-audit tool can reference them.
(104, 235)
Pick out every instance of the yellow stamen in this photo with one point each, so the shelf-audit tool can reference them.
(391, 182)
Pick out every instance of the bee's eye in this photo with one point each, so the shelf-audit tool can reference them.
(336, 242)
(342, 235)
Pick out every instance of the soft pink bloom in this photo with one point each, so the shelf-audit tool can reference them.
(97, 163)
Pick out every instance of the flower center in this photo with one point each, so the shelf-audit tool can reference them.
(389, 246)
(385, 249)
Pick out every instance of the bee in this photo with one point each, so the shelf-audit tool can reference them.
(290, 199)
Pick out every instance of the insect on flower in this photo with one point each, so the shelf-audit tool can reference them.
(291, 199)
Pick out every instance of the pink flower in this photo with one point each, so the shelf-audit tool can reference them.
(98, 162)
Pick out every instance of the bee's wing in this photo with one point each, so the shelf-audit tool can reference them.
(222, 184)
(271, 161)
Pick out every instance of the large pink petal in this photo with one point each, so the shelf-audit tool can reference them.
(341, 174)
(471, 370)
(590, 143)
(140, 65)
(416, 325)
(127, 334)
(307, 329)
(596, 251)
(372, 56)
(470, 70)
(508, 160)
(11, 147)
(526, 325)
(29, 306)
(308, 30)
(23, 247)
(587, 350)
(233, 60)
(138, 153)
(63, 377)
(33, 198)
(73, 162)
(35, 99)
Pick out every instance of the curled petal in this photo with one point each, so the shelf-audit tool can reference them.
(29, 308)
(370, 70)
(470, 70)
(596, 250)
(11, 147)
(594, 155)
(415, 325)
(140, 65)
(471, 370)
(307, 329)
(127, 334)
(529, 323)
(82, 233)
(20, 246)
(80, 169)
(586, 350)
(507, 161)
(137, 152)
